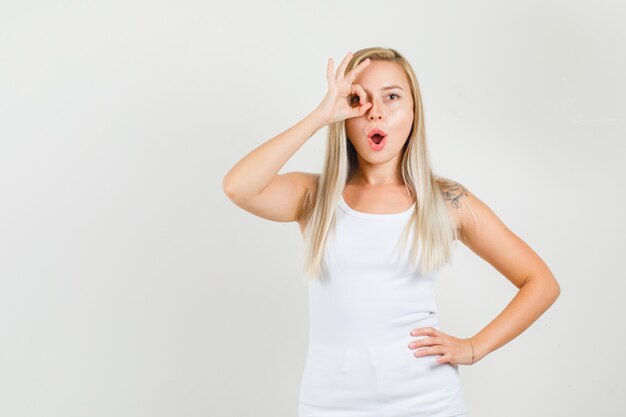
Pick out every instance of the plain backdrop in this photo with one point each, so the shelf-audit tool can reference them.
(131, 286)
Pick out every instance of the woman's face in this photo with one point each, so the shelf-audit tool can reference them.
(391, 111)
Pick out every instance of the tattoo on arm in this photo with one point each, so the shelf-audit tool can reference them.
(454, 192)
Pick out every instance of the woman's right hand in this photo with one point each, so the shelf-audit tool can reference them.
(335, 106)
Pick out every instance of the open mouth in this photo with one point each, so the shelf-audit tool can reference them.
(377, 143)
(377, 138)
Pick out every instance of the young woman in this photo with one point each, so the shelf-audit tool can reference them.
(375, 345)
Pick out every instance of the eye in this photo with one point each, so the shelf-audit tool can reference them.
(393, 94)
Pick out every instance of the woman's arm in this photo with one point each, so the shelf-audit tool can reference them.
(484, 233)
(259, 168)
(255, 171)
(254, 184)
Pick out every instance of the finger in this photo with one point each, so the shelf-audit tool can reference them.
(425, 331)
(359, 111)
(329, 72)
(427, 341)
(358, 90)
(443, 358)
(424, 352)
(435, 350)
(356, 70)
(344, 64)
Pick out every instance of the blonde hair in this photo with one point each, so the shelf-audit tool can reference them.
(433, 225)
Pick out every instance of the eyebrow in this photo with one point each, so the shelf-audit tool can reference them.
(388, 87)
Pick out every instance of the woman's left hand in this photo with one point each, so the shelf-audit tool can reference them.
(449, 348)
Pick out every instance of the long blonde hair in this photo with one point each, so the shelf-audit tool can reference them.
(433, 225)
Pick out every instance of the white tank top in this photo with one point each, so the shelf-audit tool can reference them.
(361, 312)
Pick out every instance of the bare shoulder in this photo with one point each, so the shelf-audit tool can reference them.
(453, 192)
(470, 214)
(457, 199)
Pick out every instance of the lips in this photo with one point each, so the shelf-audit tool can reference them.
(376, 135)
(376, 131)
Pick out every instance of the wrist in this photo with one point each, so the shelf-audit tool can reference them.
(318, 118)
(480, 349)
(473, 359)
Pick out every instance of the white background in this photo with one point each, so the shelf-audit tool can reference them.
(131, 286)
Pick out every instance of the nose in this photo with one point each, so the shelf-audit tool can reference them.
(375, 112)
